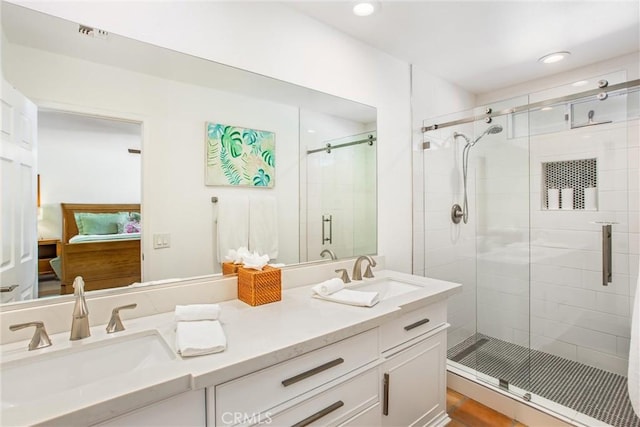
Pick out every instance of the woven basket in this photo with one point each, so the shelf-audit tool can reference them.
(229, 268)
(257, 287)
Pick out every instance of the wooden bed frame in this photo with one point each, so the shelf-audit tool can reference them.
(101, 264)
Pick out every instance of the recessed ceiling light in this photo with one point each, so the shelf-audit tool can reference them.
(311, 131)
(554, 57)
(364, 8)
(580, 83)
(546, 109)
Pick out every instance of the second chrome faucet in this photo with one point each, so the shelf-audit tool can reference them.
(357, 268)
(80, 321)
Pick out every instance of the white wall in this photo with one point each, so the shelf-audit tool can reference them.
(85, 159)
(175, 199)
(274, 40)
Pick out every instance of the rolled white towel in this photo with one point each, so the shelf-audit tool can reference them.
(351, 297)
(328, 287)
(194, 312)
(198, 338)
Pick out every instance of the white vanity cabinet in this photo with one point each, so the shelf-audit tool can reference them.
(414, 370)
(186, 410)
(332, 383)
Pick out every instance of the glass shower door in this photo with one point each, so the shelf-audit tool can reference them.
(488, 250)
(498, 173)
(341, 197)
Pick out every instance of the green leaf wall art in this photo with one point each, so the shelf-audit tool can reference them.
(239, 156)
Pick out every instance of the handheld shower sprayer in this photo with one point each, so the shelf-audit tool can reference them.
(458, 213)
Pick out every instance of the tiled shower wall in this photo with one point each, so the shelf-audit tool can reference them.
(572, 314)
(450, 253)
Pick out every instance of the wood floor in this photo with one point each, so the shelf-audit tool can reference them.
(466, 412)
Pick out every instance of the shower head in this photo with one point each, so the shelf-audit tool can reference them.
(493, 129)
(490, 130)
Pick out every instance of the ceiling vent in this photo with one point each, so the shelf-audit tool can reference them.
(92, 32)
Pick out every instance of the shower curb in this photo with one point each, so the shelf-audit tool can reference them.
(527, 413)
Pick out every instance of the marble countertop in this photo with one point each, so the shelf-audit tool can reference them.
(257, 337)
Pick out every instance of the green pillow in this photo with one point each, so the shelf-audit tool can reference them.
(135, 216)
(100, 223)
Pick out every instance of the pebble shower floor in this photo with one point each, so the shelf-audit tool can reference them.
(594, 392)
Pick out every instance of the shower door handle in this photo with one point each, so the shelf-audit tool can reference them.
(606, 255)
(329, 219)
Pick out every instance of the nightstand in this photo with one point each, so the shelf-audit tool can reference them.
(47, 250)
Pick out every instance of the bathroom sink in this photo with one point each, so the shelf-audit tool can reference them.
(36, 377)
(386, 287)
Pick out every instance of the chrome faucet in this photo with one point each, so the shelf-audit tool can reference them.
(80, 322)
(328, 252)
(115, 323)
(357, 269)
(40, 338)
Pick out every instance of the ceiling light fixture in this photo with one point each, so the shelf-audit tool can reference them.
(364, 8)
(580, 83)
(554, 57)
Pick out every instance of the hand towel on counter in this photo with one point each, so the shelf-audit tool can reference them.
(232, 224)
(195, 312)
(351, 297)
(199, 338)
(328, 287)
(263, 226)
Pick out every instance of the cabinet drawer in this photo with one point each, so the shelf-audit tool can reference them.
(262, 390)
(412, 324)
(335, 405)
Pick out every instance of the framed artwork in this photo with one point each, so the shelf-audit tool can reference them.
(239, 157)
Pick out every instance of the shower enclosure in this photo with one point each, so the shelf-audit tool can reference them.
(341, 197)
(547, 249)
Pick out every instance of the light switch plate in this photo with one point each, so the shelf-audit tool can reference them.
(161, 240)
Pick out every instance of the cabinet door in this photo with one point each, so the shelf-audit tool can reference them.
(370, 417)
(414, 388)
(185, 410)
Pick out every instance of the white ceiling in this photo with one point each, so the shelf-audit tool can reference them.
(486, 45)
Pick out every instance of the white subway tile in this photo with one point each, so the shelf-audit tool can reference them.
(595, 320)
(623, 347)
(581, 337)
(611, 180)
(612, 303)
(606, 361)
(555, 347)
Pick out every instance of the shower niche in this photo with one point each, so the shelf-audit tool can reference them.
(570, 185)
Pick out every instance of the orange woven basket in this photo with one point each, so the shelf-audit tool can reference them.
(257, 287)
(229, 268)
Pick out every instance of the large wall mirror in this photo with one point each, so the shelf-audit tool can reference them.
(121, 130)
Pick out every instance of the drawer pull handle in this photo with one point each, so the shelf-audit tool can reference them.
(312, 372)
(415, 325)
(385, 401)
(319, 414)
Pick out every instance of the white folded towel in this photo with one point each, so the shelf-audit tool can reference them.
(198, 338)
(328, 286)
(351, 297)
(263, 225)
(232, 224)
(194, 312)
